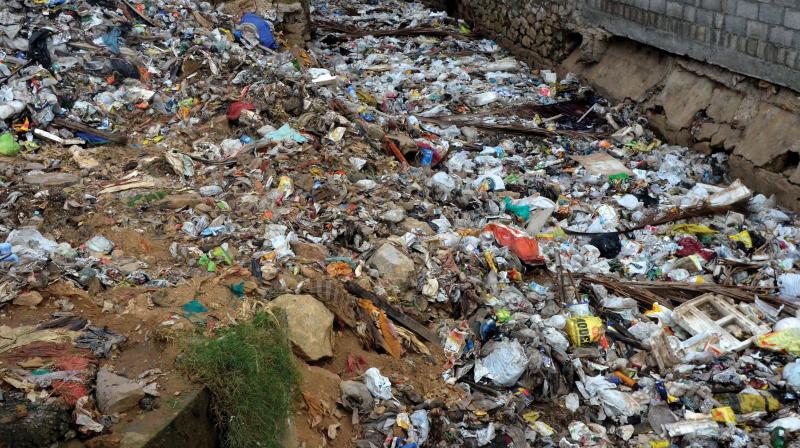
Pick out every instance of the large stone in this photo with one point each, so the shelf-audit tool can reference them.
(30, 298)
(310, 251)
(394, 266)
(684, 95)
(625, 70)
(50, 179)
(766, 182)
(416, 226)
(310, 325)
(769, 137)
(116, 393)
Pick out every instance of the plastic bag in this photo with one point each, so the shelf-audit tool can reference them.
(791, 374)
(790, 424)
(422, 425)
(379, 386)
(30, 245)
(7, 255)
(789, 284)
(608, 244)
(522, 212)
(262, 28)
(284, 133)
(504, 365)
(8, 146)
(781, 341)
(523, 246)
(534, 210)
(694, 229)
(617, 403)
(100, 244)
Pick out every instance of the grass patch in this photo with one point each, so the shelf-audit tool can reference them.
(251, 373)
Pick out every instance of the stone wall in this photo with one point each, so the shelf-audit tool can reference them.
(759, 38)
(539, 30)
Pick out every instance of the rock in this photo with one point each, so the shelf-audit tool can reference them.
(30, 298)
(683, 96)
(50, 179)
(83, 158)
(311, 251)
(470, 133)
(416, 226)
(356, 396)
(116, 393)
(310, 325)
(178, 201)
(210, 190)
(393, 265)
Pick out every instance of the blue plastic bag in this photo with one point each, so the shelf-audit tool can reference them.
(111, 39)
(263, 29)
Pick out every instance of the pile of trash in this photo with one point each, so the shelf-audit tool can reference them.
(573, 280)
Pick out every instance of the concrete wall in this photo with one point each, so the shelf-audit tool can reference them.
(759, 38)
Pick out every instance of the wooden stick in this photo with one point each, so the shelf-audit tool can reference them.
(74, 125)
(395, 314)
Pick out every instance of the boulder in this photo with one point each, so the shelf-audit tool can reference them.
(394, 266)
(51, 179)
(116, 393)
(310, 251)
(416, 226)
(310, 325)
(30, 298)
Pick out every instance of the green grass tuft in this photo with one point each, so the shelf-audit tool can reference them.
(251, 373)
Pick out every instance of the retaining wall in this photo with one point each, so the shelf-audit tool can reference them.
(759, 38)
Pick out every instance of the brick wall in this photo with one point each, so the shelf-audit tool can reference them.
(759, 38)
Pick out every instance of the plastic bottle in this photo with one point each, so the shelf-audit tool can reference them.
(427, 157)
(778, 437)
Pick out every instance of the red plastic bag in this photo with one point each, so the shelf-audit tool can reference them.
(523, 246)
(235, 109)
(690, 246)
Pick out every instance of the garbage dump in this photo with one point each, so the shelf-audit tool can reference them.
(481, 252)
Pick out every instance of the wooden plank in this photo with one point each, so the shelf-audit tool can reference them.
(75, 126)
(394, 313)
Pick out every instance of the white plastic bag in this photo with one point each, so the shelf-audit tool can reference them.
(505, 364)
(379, 386)
(790, 286)
(29, 244)
(791, 374)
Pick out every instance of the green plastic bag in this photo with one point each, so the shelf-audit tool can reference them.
(8, 146)
(522, 211)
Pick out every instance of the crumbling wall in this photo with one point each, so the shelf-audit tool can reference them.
(709, 109)
(759, 38)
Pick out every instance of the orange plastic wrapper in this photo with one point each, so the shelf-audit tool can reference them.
(525, 247)
(390, 342)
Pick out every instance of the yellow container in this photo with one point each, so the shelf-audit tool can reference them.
(584, 330)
